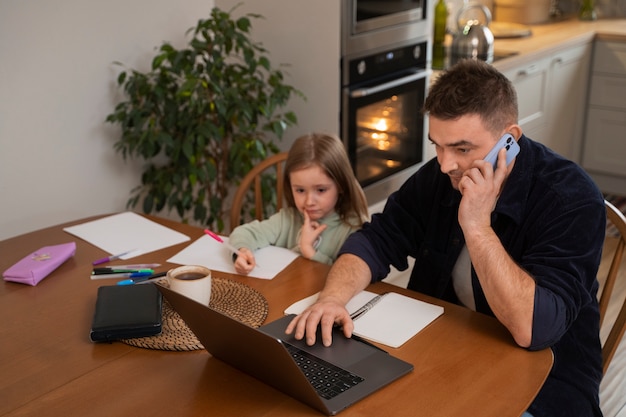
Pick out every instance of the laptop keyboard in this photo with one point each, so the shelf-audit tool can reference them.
(327, 379)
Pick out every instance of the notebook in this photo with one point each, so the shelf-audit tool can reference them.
(392, 319)
(267, 354)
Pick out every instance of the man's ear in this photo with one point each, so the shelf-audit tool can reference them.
(515, 130)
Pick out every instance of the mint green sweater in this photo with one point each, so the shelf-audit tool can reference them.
(283, 229)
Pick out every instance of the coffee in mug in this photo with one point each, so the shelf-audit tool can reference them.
(192, 281)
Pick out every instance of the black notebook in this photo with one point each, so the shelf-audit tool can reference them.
(126, 312)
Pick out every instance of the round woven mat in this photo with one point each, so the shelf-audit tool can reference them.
(232, 298)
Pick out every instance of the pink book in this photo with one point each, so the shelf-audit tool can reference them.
(39, 264)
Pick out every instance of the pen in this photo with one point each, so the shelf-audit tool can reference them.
(122, 275)
(142, 280)
(104, 271)
(219, 239)
(228, 245)
(136, 266)
(367, 306)
(111, 258)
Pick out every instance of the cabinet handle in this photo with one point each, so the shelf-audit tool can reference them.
(530, 70)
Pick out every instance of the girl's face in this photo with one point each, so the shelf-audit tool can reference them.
(314, 192)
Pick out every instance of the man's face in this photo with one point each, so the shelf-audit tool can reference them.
(459, 143)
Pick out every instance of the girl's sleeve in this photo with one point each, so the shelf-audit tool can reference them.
(259, 234)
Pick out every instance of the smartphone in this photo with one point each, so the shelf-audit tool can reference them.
(512, 149)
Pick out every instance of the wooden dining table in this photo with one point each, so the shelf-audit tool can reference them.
(465, 363)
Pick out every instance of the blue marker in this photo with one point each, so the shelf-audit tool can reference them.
(141, 280)
(123, 275)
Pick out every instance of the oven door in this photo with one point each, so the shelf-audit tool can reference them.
(383, 127)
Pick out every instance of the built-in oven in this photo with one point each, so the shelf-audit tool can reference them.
(381, 121)
(385, 56)
(372, 24)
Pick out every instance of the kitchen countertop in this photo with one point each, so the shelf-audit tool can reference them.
(551, 37)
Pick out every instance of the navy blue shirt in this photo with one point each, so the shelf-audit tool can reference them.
(551, 219)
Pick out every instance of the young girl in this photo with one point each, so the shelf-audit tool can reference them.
(325, 204)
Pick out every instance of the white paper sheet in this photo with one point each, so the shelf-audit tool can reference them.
(125, 232)
(214, 255)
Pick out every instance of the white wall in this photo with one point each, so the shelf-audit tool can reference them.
(57, 85)
(304, 35)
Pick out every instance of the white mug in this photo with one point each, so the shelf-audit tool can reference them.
(192, 281)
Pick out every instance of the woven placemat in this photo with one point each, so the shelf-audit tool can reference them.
(229, 297)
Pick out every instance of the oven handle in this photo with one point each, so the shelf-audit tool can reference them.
(364, 92)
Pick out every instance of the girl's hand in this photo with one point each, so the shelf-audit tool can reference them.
(309, 234)
(245, 262)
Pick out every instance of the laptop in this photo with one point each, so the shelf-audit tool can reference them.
(350, 369)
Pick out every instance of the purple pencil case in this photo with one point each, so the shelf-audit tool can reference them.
(39, 264)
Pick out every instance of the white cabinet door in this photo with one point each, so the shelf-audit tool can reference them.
(567, 93)
(531, 83)
(551, 94)
(609, 58)
(605, 142)
(605, 149)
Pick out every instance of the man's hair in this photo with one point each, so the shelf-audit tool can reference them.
(473, 87)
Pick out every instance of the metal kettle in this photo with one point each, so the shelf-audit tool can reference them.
(473, 39)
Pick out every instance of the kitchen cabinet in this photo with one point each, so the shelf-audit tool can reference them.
(531, 83)
(567, 95)
(604, 149)
(551, 98)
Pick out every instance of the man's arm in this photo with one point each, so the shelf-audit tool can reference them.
(510, 291)
(348, 276)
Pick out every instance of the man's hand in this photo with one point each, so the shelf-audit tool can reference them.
(480, 188)
(326, 313)
(348, 276)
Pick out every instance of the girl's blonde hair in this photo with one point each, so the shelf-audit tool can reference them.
(328, 152)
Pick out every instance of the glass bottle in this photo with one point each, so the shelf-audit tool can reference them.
(587, 10)
(439, 34)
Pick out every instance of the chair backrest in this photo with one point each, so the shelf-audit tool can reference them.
(619, 326)
(254, 177)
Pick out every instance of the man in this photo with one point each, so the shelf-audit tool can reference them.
(521, 242)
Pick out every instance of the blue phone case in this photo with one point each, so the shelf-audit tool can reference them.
(512, 149)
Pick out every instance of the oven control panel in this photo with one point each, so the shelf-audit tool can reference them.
(387, 63)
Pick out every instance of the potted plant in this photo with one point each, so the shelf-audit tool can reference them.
(201, 118)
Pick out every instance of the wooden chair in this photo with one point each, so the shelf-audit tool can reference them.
(619, 326)
(275, 162)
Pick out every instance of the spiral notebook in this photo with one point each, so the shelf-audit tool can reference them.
(391, 321)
